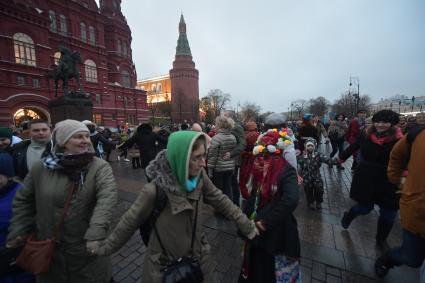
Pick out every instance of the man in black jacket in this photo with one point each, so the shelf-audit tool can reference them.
(28, 152)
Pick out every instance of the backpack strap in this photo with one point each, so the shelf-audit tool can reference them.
(410, 138)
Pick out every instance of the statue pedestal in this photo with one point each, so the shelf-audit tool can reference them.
(76, 108)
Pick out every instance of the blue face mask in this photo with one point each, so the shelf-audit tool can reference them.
(191, 184)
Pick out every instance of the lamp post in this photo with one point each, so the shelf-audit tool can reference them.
(292, 105)
(413, 102)
(356, 82)
(399, 106)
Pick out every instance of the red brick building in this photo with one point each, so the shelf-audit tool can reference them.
(30, 34)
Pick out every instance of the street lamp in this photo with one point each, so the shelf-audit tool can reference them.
(292, 105)
(399, 106)
(413, 102)
(356, 82)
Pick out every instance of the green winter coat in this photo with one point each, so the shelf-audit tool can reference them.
(40, 202)
(175, 222)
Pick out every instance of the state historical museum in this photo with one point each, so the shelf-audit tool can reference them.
(30, 34)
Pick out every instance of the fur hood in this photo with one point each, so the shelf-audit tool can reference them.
(159, 171)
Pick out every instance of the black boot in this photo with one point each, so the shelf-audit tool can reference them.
(346, 219)
(382, 233)
(382, 266)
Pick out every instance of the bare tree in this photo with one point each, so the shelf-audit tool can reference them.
(318, 106)
(346, 104)
(153, 107)
(214, 103)
(165, 106)
(299, 106)
(250, 111)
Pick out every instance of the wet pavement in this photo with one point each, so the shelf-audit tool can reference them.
(329, 253)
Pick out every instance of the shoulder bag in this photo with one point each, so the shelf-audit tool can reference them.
(185, 269)
(36, 256)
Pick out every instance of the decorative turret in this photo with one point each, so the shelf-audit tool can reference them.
(184, 81)
(183, 47)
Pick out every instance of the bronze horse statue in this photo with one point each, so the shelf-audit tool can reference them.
(66, 70)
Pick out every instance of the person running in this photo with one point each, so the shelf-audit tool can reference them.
(70, 171)
(411, 151)
(179, 172)
(370, 183)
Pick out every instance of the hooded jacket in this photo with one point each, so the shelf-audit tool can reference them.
(169, 171)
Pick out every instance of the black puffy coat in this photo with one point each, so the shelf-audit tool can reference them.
(19, 154)
(370, 183)
(147, 141)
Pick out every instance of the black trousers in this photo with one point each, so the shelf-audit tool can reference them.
(313, 193)
(235, 187)
(135, 162)
(223, 181)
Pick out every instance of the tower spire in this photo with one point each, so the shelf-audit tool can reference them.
(183, 47)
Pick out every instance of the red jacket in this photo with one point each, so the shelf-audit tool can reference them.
(353, 131)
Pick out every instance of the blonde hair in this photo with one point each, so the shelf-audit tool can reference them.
(222, 122)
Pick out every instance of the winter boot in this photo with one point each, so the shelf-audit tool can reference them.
(382, 233)
(346, 219)
(382, 266)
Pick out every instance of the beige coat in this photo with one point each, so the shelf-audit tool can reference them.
(175, 222)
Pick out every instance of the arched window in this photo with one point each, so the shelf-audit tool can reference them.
(57, 57)
(125, 78)
(91, 71)
(153, 88)
(159, 87)
(119, 47)
(64, 26)
(24, 49)
(83, 32)
(124, 49)
(52, 16)
(92, 39)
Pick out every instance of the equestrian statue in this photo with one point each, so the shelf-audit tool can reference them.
(66, 70)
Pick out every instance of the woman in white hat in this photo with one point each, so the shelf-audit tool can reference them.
(70, 170)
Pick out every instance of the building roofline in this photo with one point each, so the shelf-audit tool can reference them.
(158, 78)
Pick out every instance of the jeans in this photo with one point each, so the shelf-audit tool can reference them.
(385, 215)
(411, 252)
(337, 146)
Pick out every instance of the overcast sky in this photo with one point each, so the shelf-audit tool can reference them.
(274, 52)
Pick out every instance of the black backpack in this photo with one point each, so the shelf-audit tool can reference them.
(160, 203)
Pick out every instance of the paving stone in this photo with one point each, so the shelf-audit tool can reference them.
(333, 271)
(318, 271)
(332, 279)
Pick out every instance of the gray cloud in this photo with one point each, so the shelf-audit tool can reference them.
(272, 52)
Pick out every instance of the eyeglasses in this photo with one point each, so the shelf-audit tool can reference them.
(198, 158)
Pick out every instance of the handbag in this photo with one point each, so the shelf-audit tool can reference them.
(185, 269)
(36, 256)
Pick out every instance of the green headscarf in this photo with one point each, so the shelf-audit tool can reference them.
(179, 149)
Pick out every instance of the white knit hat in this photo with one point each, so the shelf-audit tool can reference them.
(65, 129)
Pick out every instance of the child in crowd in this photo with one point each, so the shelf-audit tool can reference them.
(9, 273)
(309, 163)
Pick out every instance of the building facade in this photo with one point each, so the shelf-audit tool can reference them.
(30, 34)
(178, 92)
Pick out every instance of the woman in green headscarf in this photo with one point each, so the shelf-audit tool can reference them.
(179, 171)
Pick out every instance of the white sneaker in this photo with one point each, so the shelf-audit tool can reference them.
(126, 160)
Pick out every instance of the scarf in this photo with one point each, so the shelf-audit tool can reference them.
(384, 137)
(72, 165)
(266, 172)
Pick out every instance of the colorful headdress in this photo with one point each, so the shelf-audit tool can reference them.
(273, 142)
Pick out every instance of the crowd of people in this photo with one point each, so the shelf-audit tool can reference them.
(57, 186)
